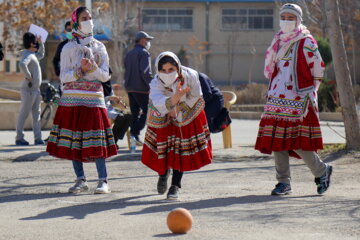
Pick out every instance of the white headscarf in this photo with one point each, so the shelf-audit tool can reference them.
(282, 41)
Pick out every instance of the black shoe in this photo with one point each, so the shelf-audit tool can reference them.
(39, 142)
(323, 182)
(22, 142)
(162, 182)
(173, 193)
(281, 189)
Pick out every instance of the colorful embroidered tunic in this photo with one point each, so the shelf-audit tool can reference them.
(182, 143)
(290, 119)
(81, 129)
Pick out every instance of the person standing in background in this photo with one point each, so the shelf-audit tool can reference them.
(30, 88)
(56, 59)
(290, 123)
(138, 76)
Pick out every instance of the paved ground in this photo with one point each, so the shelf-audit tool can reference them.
(229, 199)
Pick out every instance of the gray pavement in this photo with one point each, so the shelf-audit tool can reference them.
(229, 199)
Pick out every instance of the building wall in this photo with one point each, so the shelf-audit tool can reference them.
(248, 47)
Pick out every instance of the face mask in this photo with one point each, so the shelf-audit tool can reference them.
(148, 45)
(287, 26)
(68, 35)
(87, 26)
(168, 78)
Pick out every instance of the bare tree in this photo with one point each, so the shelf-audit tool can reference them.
(343, 77)
(230, 49)
(197, 52)
(125, 15)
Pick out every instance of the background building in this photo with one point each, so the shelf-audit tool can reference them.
(226, 39)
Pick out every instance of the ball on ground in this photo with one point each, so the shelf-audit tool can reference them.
(179, 220)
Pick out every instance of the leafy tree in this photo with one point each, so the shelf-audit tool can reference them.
(324, 49)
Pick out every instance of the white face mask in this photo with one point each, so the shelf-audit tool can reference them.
(287, 26)
(148, 45)
(168, 78)
(87, 26)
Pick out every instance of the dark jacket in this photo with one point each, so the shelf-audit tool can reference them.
(138, 70)
(1, 52)
(56, 59)
(216, 114)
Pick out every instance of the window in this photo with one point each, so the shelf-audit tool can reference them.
(7, 66)
(247, 19)
(17, 66)
(167, 19)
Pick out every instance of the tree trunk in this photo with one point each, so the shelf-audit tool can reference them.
(342, 74)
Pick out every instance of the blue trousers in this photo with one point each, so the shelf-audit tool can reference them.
(100, 166)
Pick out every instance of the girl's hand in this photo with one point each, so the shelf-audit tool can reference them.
(181, 91)
(86, 65)
(38, 39)
(114, 99)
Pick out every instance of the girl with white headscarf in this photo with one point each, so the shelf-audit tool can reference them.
(290, 122)
(177, 135)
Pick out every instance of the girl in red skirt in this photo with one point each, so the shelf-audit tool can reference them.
(81, 131)
(290, 122)
(177, 135)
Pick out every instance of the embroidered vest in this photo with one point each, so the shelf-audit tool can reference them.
(301, 74)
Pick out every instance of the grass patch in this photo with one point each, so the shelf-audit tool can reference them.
(332, 148)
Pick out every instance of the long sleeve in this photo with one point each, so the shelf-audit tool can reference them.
(158, 98)
(23, 65)
(192, 79)
(67, 72)
(41, 51)
(101, 73)
(314, 61)
(145, 67)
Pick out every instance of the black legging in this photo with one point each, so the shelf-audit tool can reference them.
(176, 178)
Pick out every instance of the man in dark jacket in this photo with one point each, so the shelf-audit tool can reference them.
(56, 59)
(137, 79)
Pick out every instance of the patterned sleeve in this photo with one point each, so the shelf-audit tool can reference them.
(314, 60)
(192, 77)
(101, 72)
(158, 99)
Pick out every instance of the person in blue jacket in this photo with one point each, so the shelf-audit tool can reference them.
(138, 76)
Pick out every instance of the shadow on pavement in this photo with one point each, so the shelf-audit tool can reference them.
(126, 156)
(30, 157)
(208, 203)
(29, 197)
(80, 211)
(13, 148)
(167, 235)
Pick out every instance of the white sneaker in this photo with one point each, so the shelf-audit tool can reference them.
(80, 186)
(102, 188)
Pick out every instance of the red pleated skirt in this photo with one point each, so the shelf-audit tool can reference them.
(184, 148)
(282, 135)
(81, 133)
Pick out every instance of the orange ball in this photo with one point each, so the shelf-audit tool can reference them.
(179, 220)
